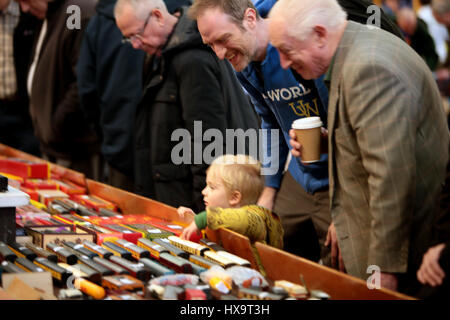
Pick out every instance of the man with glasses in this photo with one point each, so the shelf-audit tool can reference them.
(184, 83)
(109, 74)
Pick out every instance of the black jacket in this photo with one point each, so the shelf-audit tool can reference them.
(422, 42)
(187, 83)
(357, 11)
(58, 121)
(109, 75)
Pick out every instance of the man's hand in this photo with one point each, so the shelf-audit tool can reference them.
(267, 198)
(336, 258)
(189, 231)
(296, 146)
(443, 74)
(430, 272)
(388, 281)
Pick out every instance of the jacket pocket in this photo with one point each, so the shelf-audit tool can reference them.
(167, 94)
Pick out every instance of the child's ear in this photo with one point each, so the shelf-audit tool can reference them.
(235, 198)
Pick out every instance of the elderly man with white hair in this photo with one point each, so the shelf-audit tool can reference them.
(388, 139)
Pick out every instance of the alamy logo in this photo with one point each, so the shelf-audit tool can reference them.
(235, 141)
(374, 280)
(73, 22)
(374, 20)
(71, 283)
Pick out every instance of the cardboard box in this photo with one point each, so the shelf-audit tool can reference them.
(45, 196)
(25, 168)
(101, 233)
(48, 221)
(72, 219)
(167, 226)
(27, 216)
(149, 231)
(32, 193)
(101, 221)
(40, 184)
(127, 233)
(69, 187)
(94, 202)
(38, 205)
(46, 234)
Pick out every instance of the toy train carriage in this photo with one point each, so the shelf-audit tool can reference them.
(246, 293)
(176, 251)
(202, 262)
(175, 263)
(188, 246)
(122, 282)
(95, 248)
(232, 257)
(136, 251)
(155, 249)
(222, 261)
(137, 270)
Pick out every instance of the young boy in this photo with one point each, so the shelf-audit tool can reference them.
(233, 185)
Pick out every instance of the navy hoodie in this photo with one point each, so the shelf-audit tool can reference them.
(110, 85)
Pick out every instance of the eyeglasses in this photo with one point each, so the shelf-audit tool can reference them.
(138, 34)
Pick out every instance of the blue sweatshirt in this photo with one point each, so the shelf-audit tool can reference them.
(279, 100)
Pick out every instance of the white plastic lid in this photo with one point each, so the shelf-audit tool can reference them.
(307, 123)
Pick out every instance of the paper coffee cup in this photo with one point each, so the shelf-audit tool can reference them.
(307, 131)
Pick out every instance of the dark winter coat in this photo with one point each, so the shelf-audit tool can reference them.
(110, 84)
(58, 121)
(187, 83)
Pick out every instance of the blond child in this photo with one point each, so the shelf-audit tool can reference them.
(233, 186)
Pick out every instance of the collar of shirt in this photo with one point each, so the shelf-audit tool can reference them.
(327, 78)
(12, 9)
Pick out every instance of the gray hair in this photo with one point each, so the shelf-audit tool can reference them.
(440, 7)
(141, 7)
(303, 15)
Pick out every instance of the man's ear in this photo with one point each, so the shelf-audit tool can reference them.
(235, 198)
(320, 35)
(249, 19)
(159, 16)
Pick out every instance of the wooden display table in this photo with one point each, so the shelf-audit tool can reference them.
(278, 264)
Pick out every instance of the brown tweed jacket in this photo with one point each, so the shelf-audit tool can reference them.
(388, 150)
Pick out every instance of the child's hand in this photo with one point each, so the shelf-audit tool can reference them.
(183, 211)
(189, 231)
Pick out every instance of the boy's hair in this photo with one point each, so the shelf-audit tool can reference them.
(239, 173)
